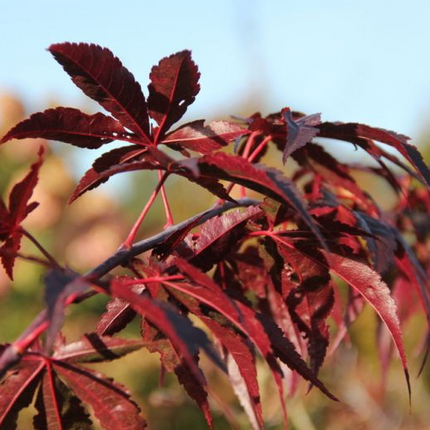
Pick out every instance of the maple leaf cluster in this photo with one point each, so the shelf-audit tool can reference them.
(262, 274)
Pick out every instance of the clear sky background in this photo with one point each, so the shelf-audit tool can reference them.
(366, 61)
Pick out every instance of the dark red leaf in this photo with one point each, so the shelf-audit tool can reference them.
(101, 76)
(60, 285)
(246, 319)
(185, 338)
(154, 341)
(146, 161)
(205, 139)
(92, 348)
(16, 393)
(174, 86)
(299, 132)
(310, 301)
(22, 191)
(175, 240)
(110, 401)
(92, 178)
(383, 243)
(270, 182)
(369, 284)
(122, 155)
(243, 372)
(9, 251)
(352, 131)
(334, 173)
(58, 408)
(68, 125)
(195, 389)
(117, 316)
(219, 236)
(19, 208)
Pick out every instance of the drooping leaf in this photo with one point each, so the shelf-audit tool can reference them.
(175, 240)
(19, 208)
(122, 155)
(245, 318)
(174, 86)
(92, 348)
(219, 235)
(117, 316)
(352, 131)
(205, 139)
(16, 393)
(155, 341)
(60, 285)
(239, 350)
(147, 161)
(268, 181)
(58, 407)
(369, 284)
(335, 174)
(92, 178)
(109, 401)
(101, 76)
(185, 338)
(309, 302)
(299, 132)
(383, 247)
(68, 125)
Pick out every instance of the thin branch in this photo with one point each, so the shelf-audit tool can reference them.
(45, 253)
(132, 235)
(169, 217)
(13, 353)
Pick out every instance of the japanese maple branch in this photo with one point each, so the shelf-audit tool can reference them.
(132, 235)
(44, 252)
(13, 353)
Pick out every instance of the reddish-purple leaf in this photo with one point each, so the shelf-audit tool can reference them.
(246, 319)
(122, 155)
(299, 132)
(16, 393)
(19, 208)
(68, 125)
(9, 251)
(369, 284)
(195, 389)
(174, 86)
(310, 303)
(58, 408)
(334, 173)
(154, 341)
(109, 401)
(101, 76)
(270, 182)
(353, 131)
(92, 348)
(205, 139)
(219, 236)
(147, 161)
(21, 192)
(185, 338)
(245, 382)
(92, 178)
(175, 240)
(60, 285)
(117, 316)
(383, 243)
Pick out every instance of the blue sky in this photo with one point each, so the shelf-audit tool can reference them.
(365, 61)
